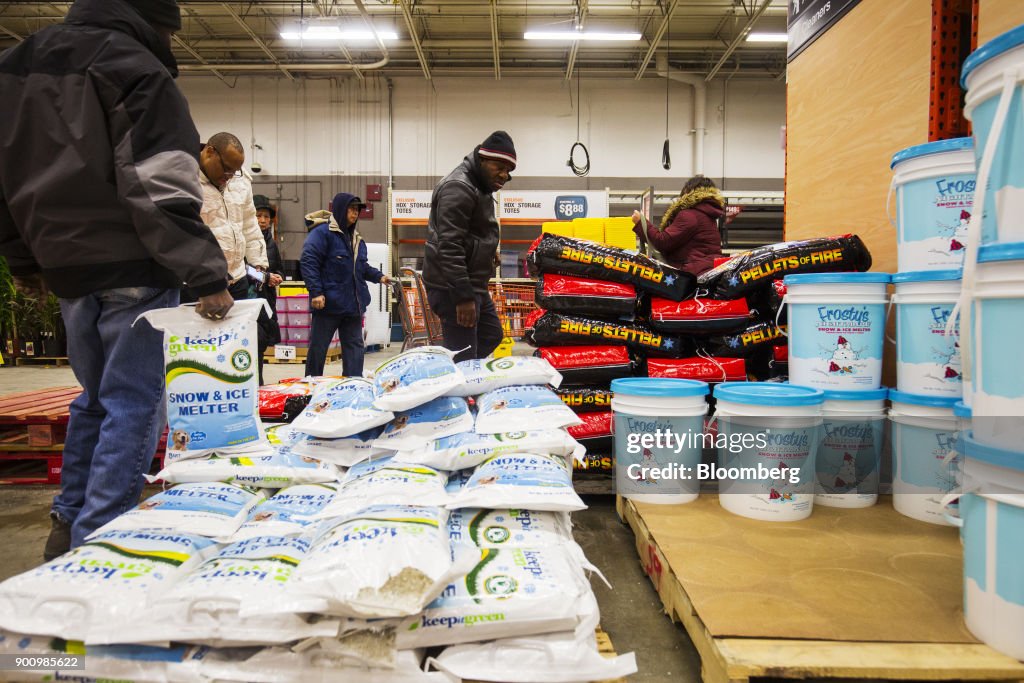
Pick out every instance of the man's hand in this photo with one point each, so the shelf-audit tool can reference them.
(318, 302)
(497, 260)
(273, 279)
(465, 313)
(215, 306)
(386, 281)
(32, 286)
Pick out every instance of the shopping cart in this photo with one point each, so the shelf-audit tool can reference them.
(420, 326)
(514, 302)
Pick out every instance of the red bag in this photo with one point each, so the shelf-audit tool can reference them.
(586, 296)
(588, 365)
(595, 433)
(703, 369)
(285, 400)
(700, 316)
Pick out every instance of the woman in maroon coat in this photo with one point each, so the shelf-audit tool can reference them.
(688, 237)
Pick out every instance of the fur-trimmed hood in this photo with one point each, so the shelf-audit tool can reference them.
(713, 204)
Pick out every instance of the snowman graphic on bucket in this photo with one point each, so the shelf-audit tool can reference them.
(949, 362)
(843, 357)
(956, 232)
(777, 488)
(845, 480)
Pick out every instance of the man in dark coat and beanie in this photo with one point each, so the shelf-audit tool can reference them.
(100, 203)
(462, 248)
(336, 271)
(688, 237)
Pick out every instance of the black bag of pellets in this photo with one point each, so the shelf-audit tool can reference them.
(594, 464)
(568, 256)
(554, 329)
(586, 399)
(586, 296)
(589, 365)
(760, 335)
(746, 272)
(767, 301)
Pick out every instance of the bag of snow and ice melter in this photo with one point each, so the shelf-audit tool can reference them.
(386, 481)
(210, 370)
(203, 607)
(514, 409)
(510, 592)
(487, 374)
(520, 481)
(342, 408)
(213, 509)
(414, 377)
(469, 449)
(504, 528)
(107, 579)
(436, 419)
(381, 561)
(343, 452)
(280, 469)
(287, 512)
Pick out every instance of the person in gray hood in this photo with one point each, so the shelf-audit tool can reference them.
(99, 203)
(462, 248)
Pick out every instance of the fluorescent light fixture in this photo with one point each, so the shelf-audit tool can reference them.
(768, 38)
(327, 32)
(579, 35)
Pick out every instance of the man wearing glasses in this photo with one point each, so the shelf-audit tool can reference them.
(229, 211)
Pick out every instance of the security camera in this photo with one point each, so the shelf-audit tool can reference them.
(256, 167)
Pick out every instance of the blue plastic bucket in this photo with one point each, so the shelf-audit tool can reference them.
(934, 185)
(850, 452)
(992, 76)
(769, 436)
(836, 329)
(927, 358)
(925, 464)
(659, 438)
(992, 530)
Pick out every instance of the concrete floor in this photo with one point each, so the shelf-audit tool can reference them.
(631, 612)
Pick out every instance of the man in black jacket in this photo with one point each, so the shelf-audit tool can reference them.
(269, 328)
(462, 248)
(99, 202)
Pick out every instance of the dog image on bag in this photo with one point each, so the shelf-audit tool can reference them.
(180, 439)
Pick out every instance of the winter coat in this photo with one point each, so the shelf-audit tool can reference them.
(334, 264)
(689, 238)
(269, 327)
(231, 215)
(99, 160)
(462, 235)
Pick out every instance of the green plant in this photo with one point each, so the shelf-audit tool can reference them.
(50, 319)
(8, 294)
(28, 322)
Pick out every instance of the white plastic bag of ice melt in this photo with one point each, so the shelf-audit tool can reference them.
(504, 528)
(566, 657)
(510, 592)
(414, 377)
(520, 408)
(371, 645)
(314, 665)
(287, 512)
(487, 374)
(205, 509)
(380, 562)
(341, 408)
(212, 388)
(343, 452)
(120, 663)
(283, 435)
(107, 579)
(435, 419)
(520, 481)
(280, 469)
(203, 607)
(469, 449)
(386, 481)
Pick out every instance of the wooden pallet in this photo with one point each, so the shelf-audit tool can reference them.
(46, 361)
(737, 660)
(300, 358)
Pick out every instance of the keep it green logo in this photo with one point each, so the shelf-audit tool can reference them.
(500, 585)
(241, 360)
(497, 534)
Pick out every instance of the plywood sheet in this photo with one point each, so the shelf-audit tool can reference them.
(868, 575)
(998, 16)
(854, 98)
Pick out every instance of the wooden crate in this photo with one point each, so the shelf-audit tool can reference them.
(737, 660)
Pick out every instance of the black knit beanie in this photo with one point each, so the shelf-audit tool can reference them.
(498, 145)
(164, 13)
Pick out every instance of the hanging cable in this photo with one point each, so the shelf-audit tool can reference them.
(583, 170)
(666, 158)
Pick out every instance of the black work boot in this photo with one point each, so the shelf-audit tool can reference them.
(59, 541)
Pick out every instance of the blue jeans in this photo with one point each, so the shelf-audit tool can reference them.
(116, 421)
(350, 334)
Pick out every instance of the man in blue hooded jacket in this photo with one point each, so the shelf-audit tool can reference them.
(336, 271)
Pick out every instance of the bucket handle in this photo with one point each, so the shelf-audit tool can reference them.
(888, 312)
(948, 500)
(1010, 79)
(888, 203)
(778, 314)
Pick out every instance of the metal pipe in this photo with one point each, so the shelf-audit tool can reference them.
(494, 40)
(740, 37)
(255, 38)
(188, 48)
(658, 35)
(415, 38)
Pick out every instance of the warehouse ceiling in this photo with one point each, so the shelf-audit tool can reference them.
(460, 37)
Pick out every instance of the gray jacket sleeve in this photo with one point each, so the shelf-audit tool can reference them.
(455, 203)
(157, 173)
